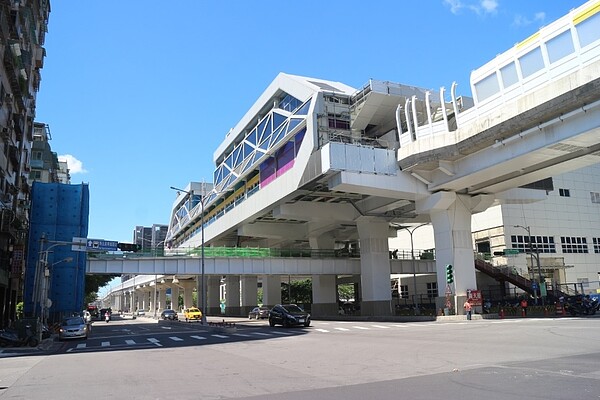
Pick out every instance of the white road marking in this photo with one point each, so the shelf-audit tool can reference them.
(261, 334)
(175, 338)
(322, 330)
(198, 337)
(361, 327)
(341, 329)
(105, 344)
(241, 335)
(130, 342)
(281, 333)
(381, 326)
(155, 341)
(220, 336)
(81, 346)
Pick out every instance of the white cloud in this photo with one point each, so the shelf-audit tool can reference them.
(478, 7)
(75, 166)
(489, 6)
(455, 5)
(521, 20)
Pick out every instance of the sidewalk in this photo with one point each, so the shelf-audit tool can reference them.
(43, 348)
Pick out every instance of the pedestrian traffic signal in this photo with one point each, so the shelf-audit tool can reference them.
(129, 247)
(449, 273)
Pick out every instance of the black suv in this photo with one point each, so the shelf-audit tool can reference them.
(288, 315)
(169, 314)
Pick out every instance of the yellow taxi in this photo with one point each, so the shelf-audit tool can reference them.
(191, 314)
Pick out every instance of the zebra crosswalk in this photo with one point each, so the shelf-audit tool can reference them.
(342, 327)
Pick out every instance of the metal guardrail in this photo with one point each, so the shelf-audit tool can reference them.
(259, 252)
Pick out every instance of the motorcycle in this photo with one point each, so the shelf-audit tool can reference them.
(581, 305)
(10, 337)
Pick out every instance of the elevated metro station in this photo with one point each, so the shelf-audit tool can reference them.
(318, 166)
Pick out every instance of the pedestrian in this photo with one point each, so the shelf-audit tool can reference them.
(524, 307)
(467, 306)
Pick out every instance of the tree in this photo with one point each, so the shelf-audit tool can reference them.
(346, 292)
(93, 283)
(301, 291)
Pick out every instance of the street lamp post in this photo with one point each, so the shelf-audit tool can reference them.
(537, 259)
(414, 269)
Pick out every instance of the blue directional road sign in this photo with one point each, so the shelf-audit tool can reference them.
(101, 245)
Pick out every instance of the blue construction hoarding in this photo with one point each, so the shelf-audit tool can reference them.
(59, 212)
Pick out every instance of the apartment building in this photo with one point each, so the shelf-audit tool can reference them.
(23, 26)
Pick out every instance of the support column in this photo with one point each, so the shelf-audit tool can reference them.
(213, 295)
(451, 219)
(271, 285)
(232, 295)
(324, 287)
(188, 289)
(249, 286)
(175, 298)
(162, 298)
(374, 266)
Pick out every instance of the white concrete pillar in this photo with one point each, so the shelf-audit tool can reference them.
(188, 290)
(374, 266)
(454, 245)
(324, 287)
(451, 219)
(232, 295)
(249, 285)
(324, 291)
(213, 295)
(271, 285)
(175, 298)
(162, 298)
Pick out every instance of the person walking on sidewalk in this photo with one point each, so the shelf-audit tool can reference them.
(467, 306)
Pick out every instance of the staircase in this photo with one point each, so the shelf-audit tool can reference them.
(508, 274)
(505, 274)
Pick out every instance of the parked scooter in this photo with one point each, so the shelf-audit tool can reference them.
(10, 337)
(106, 317)
(581, 305)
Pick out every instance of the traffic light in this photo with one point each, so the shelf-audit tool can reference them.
(449, 273)
(129, 247)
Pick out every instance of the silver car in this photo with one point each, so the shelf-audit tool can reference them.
(74, 328)
(259, 313)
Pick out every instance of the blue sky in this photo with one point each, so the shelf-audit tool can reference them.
(139, 94)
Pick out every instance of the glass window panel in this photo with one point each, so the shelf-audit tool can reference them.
(277, 136)
(278, 119)
(531, 62)
(252, 137)
(228, 161)
(487, 87)
(293, 123)
(509, 75)
(260, 128)
(588, 31)
(247, 150)
(304, 109)
(560, 46)
(236, 155)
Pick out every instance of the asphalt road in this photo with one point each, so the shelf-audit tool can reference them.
(479, 359)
